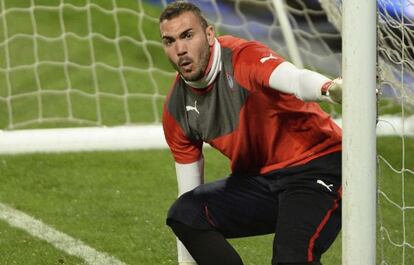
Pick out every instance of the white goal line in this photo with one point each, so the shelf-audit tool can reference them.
(59, 240)
(131, 137)
(82, 139)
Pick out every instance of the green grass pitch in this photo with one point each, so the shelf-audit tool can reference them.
(116, 202)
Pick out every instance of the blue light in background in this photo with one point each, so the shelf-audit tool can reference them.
(397, 8)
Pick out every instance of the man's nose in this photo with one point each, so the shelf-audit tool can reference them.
(181, 48)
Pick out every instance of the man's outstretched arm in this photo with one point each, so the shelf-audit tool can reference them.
(305, 84)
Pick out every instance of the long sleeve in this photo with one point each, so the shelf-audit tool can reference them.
(304, 84)
(189, 175)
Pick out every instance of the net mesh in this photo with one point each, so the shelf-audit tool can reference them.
(70, 63)
(100, 62)
(396, 176)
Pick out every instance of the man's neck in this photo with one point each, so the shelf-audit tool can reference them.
(212, 70)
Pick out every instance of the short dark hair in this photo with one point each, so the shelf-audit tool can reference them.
(179, 7)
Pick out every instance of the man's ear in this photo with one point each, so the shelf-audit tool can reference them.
(210, 35)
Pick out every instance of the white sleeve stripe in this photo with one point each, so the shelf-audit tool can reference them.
(189, 175)
(304, 84)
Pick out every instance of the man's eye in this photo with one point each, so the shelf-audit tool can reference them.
(167, 42)
(189, 35)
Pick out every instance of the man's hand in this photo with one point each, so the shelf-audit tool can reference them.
(332, 91)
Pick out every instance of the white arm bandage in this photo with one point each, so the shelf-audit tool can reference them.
(304, 84)
(189, 176)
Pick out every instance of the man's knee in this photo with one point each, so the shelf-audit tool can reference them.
(188, 209)
(184, 206)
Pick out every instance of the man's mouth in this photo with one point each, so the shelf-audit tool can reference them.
(185, 63)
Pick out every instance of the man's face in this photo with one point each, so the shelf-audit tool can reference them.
(187, 44)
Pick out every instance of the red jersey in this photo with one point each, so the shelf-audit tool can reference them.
(257, 127)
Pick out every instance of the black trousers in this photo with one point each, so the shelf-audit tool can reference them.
(300, 204)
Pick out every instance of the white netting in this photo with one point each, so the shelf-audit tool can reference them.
(88, 62)
(396, 177)
(319, 42)
(99, 62)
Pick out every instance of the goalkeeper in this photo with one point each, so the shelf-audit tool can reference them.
(258, 110)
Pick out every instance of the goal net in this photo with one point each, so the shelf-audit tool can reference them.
(99, 63)
(80, 63)
(396, 174)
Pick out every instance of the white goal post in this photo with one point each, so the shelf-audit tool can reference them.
(359, 57)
